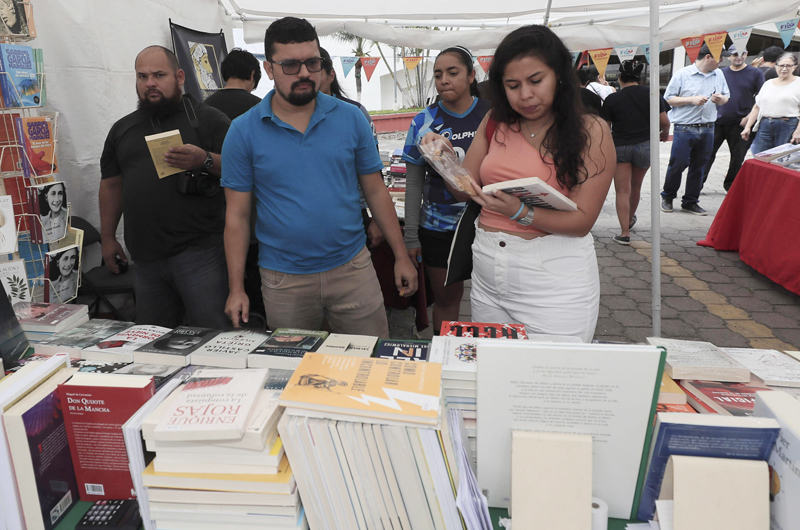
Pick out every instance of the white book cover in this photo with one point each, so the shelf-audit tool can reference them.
(214, 404)
(784, 461)
(128, 340)
(15, 281)
(229, 349)
(689, 359)
(770, 366)
(775, 152)
(350, 345)
(8, 228)
(533, 191)
(787, 159)
(606, 391)
(457, 355)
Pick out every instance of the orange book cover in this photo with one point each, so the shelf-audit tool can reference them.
(370, 387)
(38, 141)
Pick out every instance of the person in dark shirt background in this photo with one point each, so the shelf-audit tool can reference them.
(591, 100)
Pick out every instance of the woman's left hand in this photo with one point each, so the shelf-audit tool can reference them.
(500, 202)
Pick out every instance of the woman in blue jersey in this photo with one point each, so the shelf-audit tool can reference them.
(429, 230)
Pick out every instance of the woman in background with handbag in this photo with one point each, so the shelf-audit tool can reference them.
(429, 229)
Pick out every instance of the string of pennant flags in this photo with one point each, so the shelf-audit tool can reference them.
(600, 57)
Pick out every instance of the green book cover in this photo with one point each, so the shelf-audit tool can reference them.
(38, 61)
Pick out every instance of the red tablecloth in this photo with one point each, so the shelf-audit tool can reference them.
(760, 217)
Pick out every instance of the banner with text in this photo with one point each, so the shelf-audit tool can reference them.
(715, 43)
(645, 48)
(369, 64)
(348, 63)
(626, 53)
(692, 46)
(411, 62)
(600, 59)
(485, 61)
(786, 29)
(740, 37)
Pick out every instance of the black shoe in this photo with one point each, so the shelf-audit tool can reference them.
(633, 222)
(623, 240)
(666, 205)
(694, 208)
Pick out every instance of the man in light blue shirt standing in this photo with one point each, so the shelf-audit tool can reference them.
(694, 94)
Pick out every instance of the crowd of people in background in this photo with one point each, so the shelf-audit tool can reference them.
(268, 216)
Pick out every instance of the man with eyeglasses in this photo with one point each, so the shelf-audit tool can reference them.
(744, 82)
(302, 153)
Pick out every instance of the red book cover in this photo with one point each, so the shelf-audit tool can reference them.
(674, 407)
(731, 399)
(483, 330)
(94, 416)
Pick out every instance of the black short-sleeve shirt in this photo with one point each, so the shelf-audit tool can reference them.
(232, 101)
(628, 110)
(160, 222)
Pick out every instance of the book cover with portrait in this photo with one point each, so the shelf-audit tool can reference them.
(15, 18)
(63, 271)
(49, 203)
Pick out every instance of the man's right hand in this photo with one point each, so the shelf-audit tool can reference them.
(111, 249)
(699, 100)
(238, 308)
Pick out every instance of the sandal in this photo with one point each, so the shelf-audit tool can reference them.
(623, 240)
(633, 222)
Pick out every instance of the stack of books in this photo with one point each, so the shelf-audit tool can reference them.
(219, 461)
(364, 437)
(41, 321)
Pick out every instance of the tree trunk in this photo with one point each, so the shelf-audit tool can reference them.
(358, 81)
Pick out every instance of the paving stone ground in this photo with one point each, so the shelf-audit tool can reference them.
(706, 294)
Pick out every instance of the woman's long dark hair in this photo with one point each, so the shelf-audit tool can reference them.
(568, 137)
(465, 58)
(630, 71)
(327, 64)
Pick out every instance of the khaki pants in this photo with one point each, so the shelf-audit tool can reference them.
(349, 297)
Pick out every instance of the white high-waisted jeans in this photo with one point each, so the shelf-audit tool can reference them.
(551, 284)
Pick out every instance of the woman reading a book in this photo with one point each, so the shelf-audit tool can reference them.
(53, 200)
(776, 115)
(64, 277)
(533, 265)
(429, 229)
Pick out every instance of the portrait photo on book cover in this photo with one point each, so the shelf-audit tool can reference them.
(177, 341)
(53, 210)
(15, 21)
(63, 272)
(291, 341)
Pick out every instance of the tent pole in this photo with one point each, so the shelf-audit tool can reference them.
(547, 12)
(655, 170)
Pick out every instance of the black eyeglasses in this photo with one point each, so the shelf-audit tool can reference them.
(292, 66)
(785, 66)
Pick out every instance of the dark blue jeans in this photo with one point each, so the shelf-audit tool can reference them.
(194, 283)
(773, 132)
(691, 147)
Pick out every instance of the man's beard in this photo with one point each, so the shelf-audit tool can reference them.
(163, 108)
(303, 98)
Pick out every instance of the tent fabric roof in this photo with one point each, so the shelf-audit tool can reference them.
(581, 25)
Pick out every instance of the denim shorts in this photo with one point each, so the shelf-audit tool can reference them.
(636, 154)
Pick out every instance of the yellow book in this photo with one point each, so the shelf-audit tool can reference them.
(282, 482)
(671, 393)
(383, 389)
(159, 144)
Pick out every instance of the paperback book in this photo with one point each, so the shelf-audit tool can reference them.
(8, 228)
(18, 79)
(483, 330)
(404, 350)
(36, 135)
(787, 159)
(74, 340)
(50, 318)
(728, 399)
(285, 348)
(688, 359)
(159, 372)
(229, 349)
(352, 345)
(63, 267)
(15, 281)
(48, 202)
(122, 345)
(770, 367)
(776, 152)
(175, 347)
(533, 191)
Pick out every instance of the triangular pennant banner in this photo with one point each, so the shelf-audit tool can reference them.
(411, 62)
(646, 50)
(600, 59)
(740, 37)
(575, 56)
(348, 63)
(692, 46)
(369, 64)
(626, 53)
(715, 42)
(786, 29)
(485, 61)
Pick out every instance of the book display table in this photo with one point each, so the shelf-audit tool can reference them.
(760, 219)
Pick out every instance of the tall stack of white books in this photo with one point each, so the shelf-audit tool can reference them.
(219, 460)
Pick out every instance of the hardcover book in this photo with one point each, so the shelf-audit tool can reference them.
(404, 350)
(702, 435)
(122, 345)
(366, 388)
(36, 135)
(8, 227)
(229, 349)
(728, 399)
(63, 268)
(533, 191)
(18, 80)
(285, 348)
(688, 359)
(483, 330)
(95, 408)
(74, 340)
(175, 347)
(49, 318)
(213, 404)
(15, 281)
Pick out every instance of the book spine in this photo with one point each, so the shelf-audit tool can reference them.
(35, 222)
(47, 288)
(5, 79)
(22, 141)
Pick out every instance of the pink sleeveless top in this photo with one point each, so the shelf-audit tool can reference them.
(514, 158)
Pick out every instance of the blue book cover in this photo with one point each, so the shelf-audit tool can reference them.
(20, 84)
(714, 436)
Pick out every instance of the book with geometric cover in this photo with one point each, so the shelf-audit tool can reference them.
(483, 330)
(533, 191)
(213, 404)
(404, 350)
(381, 389)
(19, 83)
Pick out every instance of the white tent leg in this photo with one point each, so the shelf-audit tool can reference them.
(655, 170)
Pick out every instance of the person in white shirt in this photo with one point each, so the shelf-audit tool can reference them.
(599, 85)
(776, 115)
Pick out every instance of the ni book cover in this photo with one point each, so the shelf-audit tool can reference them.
(404, 350)
(483, 330)
(36, 134)
(18, 79)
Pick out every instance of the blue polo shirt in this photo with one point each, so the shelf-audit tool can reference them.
(306, 185)
(689, 82)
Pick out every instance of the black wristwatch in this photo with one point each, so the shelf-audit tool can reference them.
(209, 162)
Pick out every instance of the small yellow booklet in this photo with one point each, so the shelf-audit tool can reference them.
(159, 144)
